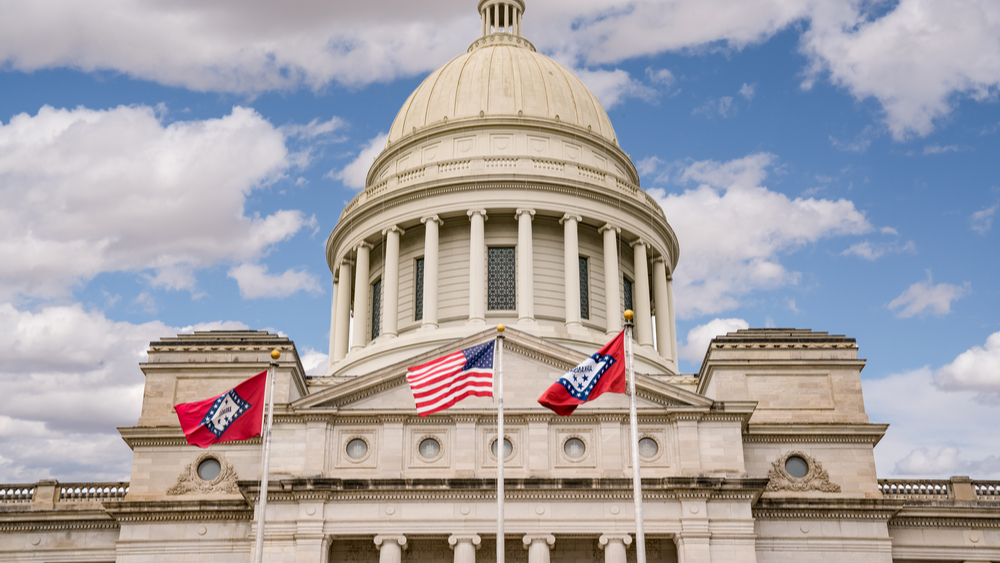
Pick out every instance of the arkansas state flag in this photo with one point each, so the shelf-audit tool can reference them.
(604, 372)
(232, 416)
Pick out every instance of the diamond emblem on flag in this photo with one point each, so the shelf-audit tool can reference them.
(580, 381)
(225, 410)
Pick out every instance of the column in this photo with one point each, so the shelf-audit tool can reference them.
(643, 326)
(465, 547)
(612, 280)
(664, 332)
(538, 547)
(525, 271)
(431, 225)
(390, 548)
(673, 323)
(571, 267)
(333, 325)
(343, 310)
(477, 267)
(390, 282)
(614, 546)
(361, 297)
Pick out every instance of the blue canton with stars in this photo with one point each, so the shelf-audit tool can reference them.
(479, 357)
(225, 410)
(581, 380)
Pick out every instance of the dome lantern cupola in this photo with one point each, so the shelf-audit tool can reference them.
(501, 16)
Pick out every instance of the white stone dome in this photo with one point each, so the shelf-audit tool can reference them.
(501, 76)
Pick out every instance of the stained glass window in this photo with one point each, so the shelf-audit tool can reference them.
(376, 308)
(501, 290)
(418, 299)
(584, 289)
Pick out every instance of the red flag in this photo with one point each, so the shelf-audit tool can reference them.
(604, 372)
(232, 416)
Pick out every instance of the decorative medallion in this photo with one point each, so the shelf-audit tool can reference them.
(189, 481)
(815, 478)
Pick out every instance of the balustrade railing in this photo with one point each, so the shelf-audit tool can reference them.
(916, 489)
(987, 490)
(11, 494)
(92, 492)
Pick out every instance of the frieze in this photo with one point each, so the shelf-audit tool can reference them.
(52, 526)
(821, 513)
(944, 522)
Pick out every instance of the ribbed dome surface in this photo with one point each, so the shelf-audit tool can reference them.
(500, 80)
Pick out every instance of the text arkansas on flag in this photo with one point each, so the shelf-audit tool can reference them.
(603, 372)
(232, 416)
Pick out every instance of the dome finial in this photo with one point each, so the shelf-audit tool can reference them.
(501, 16)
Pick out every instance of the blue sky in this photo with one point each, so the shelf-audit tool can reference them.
(827, 165)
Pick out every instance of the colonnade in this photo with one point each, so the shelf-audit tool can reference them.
(661, 291)
(538, 547)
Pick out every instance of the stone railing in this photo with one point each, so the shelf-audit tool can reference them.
(916, 489)
(477, 165)
(51, 494)
(957, 488)
(92, 492)
(14, 494)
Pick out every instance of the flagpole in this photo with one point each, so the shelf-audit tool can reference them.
(640, 533)
(258, 555)
(501, 450)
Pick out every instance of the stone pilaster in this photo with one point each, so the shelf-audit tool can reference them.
(390, 282)
(571, 267)
(612, 280)
(431, 268)
(664, 330)
(525, 270)
(477, 267)
(465, 547)
(360, 336)
(343, 310)
(640, 297)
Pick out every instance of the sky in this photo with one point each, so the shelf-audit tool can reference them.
(176, 166)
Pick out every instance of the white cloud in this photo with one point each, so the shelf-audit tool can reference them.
(925, 297)
(648, 165)
(938, 149)
(748, 90)
(661, 76)
(982, 221)
(918, 445)
(91, 191)
(699, 337)
(723, 107)
(874, 250)
(314, 362)
(733, 232)
(916, 60)
(613, 86)
(255, 282)
(313, 129)
(976, 369)
(888, 231)
(355, 174)
(61, 409)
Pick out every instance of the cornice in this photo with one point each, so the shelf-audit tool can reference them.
(833, 508)
(35, 522)
(179, 510)
(815, 433)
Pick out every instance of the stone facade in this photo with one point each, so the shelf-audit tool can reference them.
(765, 455)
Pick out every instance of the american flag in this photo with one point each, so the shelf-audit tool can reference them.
(441, 383)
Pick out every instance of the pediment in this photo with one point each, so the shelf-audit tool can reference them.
(531, 365)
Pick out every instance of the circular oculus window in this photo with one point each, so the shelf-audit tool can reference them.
(429, 448)
(357, 448)
(508, 448)
(648, 447)
(209, 468)
(574, 448)
(796, 467)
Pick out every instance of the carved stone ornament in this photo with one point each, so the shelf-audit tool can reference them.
(815, 479)
(190, 482)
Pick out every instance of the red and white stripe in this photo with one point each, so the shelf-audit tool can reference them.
(441, 383)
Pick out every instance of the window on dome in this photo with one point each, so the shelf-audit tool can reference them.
(627, 291)
(501, 294)
(584, 288)
(418, 298)
(376, 308)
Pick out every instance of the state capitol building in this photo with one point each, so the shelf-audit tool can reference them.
(503, 196)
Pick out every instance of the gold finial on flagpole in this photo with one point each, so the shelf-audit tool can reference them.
(275, 354)
(629, 315)
(501, 328)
